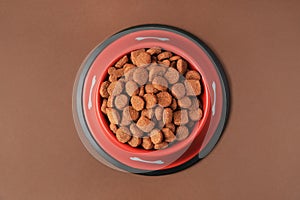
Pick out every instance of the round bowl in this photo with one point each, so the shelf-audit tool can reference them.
(93, 127)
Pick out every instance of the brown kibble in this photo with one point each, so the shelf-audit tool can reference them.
(131, 88)
(150, 100)
(164, 99)
(121, 101)
(121, 62)
(149, 88)
(104, 106)
(184, 102)
(140, 76)
(182, 133)
(154, 50)
(161, 145)
(178, 90)
(192, 75)
(160, 83)
(172, 75)
(110, 102)
(115, 88)
(118, 73)
(180, 117)
(111, 70)
(195, 115)
(156, 70)
(140, 58)
(145, 124)
(164, 55)
(135, 131)
(171, 126)
(149, 113)
(190, 125)
(135, 141)
(137, 103)
(128, 71)
(167, 115)
(103, 89)
(130, 111)
(123, 134)
(165, 63)
(195, 103)
(193, 87)
(173, 104)
(113, 77)
(181, 66)
(147, 144)
(142, 91)
(113, 128)
(174, 58)
(158, 112)
(168, 135)
(113, 115)
(156, 136)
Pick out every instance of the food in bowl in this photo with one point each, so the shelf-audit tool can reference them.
(151, 98)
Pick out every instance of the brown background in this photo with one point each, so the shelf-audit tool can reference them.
(42, 44)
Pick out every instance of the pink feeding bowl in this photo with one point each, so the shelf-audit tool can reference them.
(93, 127)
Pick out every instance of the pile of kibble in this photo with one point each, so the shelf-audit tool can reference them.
(151, 98)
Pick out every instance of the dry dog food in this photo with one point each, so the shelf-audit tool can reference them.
(151, 98)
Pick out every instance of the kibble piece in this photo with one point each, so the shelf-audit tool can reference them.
(121, 101)
(161, 145)
(195, 115)
(140, 76)
(137, 103)
(164, 99)
(113, 115)
(173, 58)
(131, 88)
(142, 91)
(128, 71)
(103, 89)
(181, 66)
(159, 125)
(123, 134)
(192, 75)
(121, 62)
(130, 111)
(149, 88)
(111, 70)
(150, 100)
(154, 50)
(149, 113)
(167, 115)
(164, 55)
(115, 88)
(140, 58)
(180, 117)
(165, 63)
(147, 144)
(171, 126)
(195, 103)
(168, 135)
(145, 124)
(182, 133)
(135, 141)
(178, 90)
(160, 83)
(158, 113)
(119, 72)
(135, 131)
(113, 77)
(113, 128)
(172, 75)
(110, 102)
(173, 104)
(190, 125)
(155, 70)
(193, 87)
(104, 106)
(156, 136)
(184, 102)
